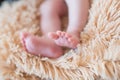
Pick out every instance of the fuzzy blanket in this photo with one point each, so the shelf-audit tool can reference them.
(97, 57)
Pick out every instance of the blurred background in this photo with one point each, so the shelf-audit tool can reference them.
(7, 0)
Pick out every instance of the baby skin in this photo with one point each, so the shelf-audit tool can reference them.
(53, 39)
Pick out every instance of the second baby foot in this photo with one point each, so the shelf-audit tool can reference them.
(64, 39)
(42, 46)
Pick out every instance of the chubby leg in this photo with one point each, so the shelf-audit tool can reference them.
(78, 14)
(51, 10)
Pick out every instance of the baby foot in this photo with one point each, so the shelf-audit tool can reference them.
(42, 46)
(64, 39)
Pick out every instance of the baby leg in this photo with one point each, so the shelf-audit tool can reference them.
(51, 10)
(78, 13)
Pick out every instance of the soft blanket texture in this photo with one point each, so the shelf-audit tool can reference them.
(97, 57)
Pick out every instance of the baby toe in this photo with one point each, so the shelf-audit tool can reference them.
(24, 45)
(53, 35)
(70, 39)
(58, 33)
(24, 34)
(68, 35)
(62, 34)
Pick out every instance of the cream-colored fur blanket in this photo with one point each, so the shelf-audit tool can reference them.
(97, 57)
